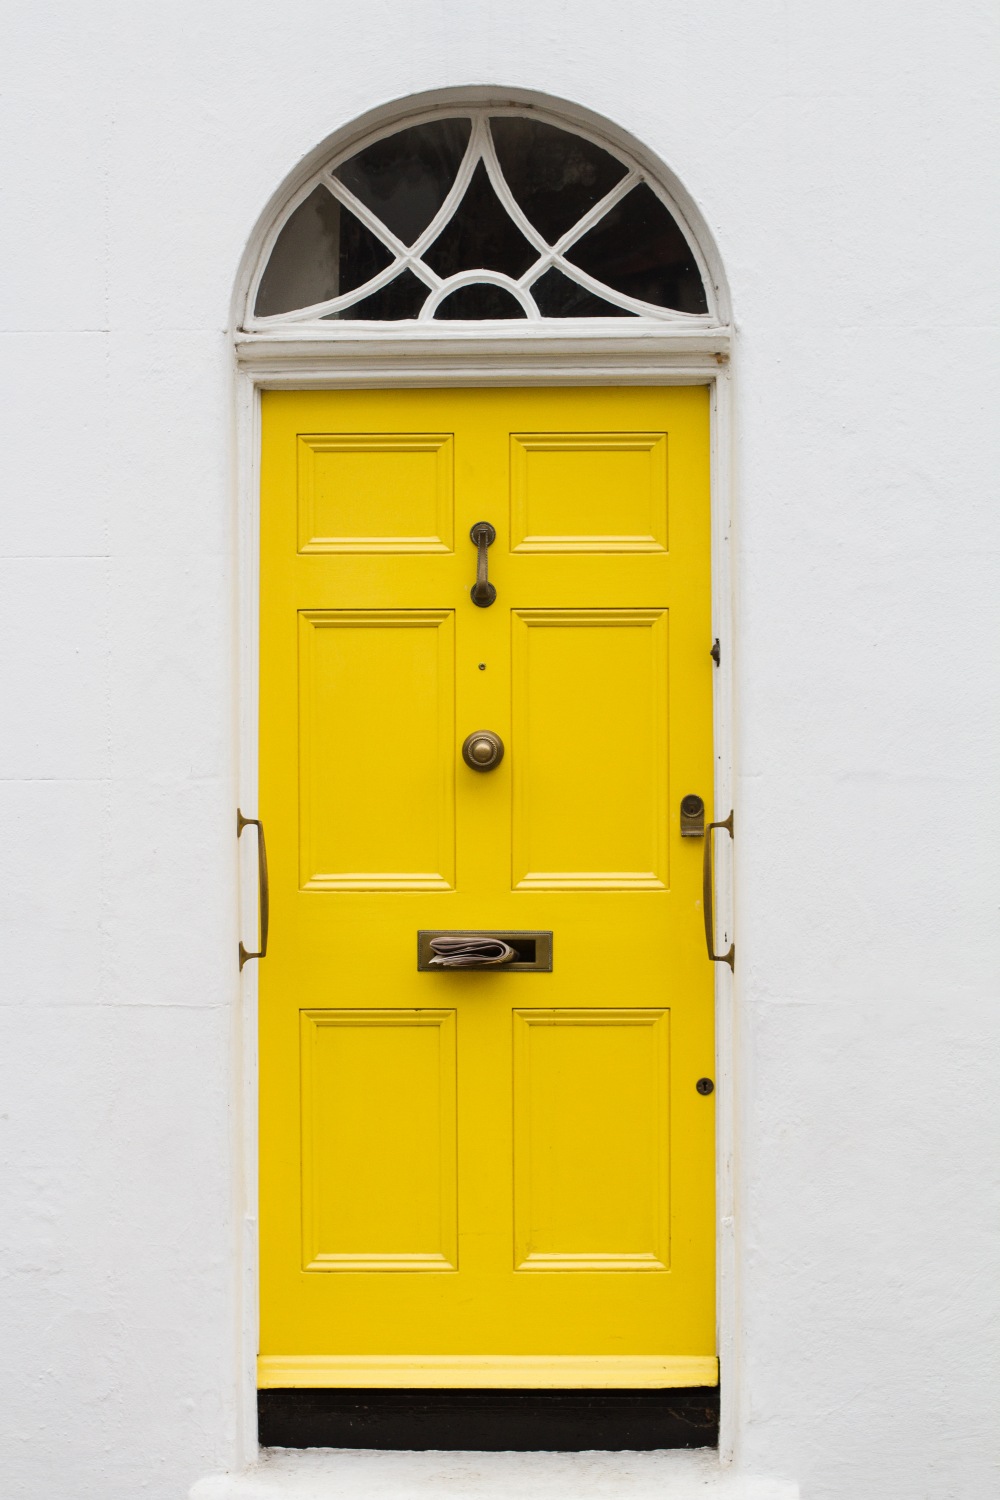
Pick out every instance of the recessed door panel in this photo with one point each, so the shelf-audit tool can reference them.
(591, 1140)
(376, 719)
(378, 1140)
(590, 737)
(377, 492)
(588, 492)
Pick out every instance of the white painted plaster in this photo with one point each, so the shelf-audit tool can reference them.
(842, 157)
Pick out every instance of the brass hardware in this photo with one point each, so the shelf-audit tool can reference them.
(263, 888)
(692, 816)
(534, 951)
(708, 884)
(483, 592)
(482, 750)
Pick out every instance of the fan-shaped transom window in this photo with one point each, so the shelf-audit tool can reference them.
(479, 215)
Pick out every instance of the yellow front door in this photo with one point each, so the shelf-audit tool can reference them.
(491, 1178)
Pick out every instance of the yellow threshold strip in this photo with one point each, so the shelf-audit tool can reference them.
(598, 1372)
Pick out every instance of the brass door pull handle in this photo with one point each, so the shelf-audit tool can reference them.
(483, 592)
(708, 886)
(263, 889)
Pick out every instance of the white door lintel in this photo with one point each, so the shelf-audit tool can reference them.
(468, 355)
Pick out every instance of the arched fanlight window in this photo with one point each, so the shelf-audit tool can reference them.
(478, 214)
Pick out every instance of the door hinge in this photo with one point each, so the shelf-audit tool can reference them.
(716, 652)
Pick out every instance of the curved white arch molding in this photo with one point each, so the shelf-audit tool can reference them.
(478, 106)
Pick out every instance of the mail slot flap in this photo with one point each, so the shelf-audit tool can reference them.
(534, 950)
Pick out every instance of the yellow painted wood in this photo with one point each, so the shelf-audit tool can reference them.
(371, 818)
(607, 1372)
(588, 492)
(589, 707)
(387, 493)
(493, 1178)
(374, 1199)
(591, 1185)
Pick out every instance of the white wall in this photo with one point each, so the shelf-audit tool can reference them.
(842, 155)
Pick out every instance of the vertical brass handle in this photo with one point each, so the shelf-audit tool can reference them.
(264, 895)
(708, 887)
(483, 592)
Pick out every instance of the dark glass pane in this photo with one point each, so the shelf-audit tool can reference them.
(362, 254)
(305, 263)
(323, 251)
(401, 298)
(481, 301)
(559, 297)
(480, 235)
(638, 248)
(406, 178)
(554, 176)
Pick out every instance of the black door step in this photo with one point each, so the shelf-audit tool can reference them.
(490, 1421)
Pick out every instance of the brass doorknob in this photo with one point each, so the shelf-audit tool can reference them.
(482, 750)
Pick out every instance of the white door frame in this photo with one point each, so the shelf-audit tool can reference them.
(479, 358)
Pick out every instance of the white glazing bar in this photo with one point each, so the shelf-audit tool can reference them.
(479, 278)
(622, 299)
(505, 195)
(597, 213)
(463, 177)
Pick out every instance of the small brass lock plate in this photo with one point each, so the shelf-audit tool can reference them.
(692, 816)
